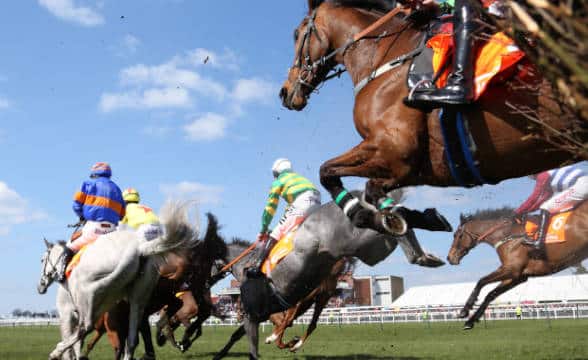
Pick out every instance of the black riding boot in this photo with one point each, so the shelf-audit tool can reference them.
(65, 259)
(539, 244)
(459, 89)
(255, 269)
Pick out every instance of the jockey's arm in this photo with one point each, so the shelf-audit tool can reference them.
(271, 205)
(79, 200)
(540, 193)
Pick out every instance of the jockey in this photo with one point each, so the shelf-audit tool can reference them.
(99, 203)
(302, 198)
(555, 191)
(459, 89)
(140, 217)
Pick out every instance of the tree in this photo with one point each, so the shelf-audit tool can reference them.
(17, 312)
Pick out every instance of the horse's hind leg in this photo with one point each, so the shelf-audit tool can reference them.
(503, 287)
(238, 334)
(319, 305)
(145, 330)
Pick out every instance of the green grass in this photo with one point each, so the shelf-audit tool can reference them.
(521, 340)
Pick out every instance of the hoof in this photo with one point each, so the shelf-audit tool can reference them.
(429, 260)
(463, 313)
(297, 346)
(468, 326)
(393, 222)
(148, 357)
(83, 358)
(270, 339)
(160, 339)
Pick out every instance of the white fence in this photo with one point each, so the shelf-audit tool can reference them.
(372, 315)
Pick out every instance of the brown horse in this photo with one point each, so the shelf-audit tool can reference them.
(319, 297)
(402, 146)
(501, 230)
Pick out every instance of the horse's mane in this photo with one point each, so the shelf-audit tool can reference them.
(376, 5)
(488, 214)
(213, 245)
(240, 241)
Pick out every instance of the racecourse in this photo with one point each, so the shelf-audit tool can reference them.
(516, 339)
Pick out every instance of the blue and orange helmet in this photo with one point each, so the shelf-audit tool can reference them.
(100, 169)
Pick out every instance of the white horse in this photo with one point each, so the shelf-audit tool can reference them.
(119, 265)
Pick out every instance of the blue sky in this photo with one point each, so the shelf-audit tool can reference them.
(126, 82)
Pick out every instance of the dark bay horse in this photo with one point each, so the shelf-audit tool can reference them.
(402, 146)
(499, 229)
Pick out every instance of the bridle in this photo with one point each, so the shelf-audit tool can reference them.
(307, 67)
(47, 261)
(479, 238)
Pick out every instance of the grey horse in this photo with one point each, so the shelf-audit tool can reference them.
(120, 265)
(325, 236)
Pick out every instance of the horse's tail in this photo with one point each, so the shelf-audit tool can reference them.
(179, 235)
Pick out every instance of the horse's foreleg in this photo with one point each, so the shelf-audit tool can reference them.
(503, 287)
(499, 274)
(286, 322)
(145, 330)
(238, 334)
(252, 330)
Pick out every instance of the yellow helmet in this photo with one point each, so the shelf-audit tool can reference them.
(131, 195)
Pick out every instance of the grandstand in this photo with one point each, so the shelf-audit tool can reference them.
(549, 289)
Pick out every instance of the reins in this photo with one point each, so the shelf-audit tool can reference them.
(311, 67)
(238, 258)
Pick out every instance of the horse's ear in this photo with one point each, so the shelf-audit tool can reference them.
(47, 243)
(461, 218)
(310, 5)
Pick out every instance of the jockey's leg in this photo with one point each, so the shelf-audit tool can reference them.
(90, 233)
(459, 89)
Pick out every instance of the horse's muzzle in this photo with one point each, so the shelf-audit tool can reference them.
(42, 288)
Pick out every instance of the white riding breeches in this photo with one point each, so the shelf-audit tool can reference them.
(90, 232)
(300, 208)
(150, 231)
(568, 198)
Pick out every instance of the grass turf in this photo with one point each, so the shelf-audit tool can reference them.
(524, 339)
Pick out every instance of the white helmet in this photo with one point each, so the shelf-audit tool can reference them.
(281, 165)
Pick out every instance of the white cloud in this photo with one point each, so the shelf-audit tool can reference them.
(254, 90)
(128, 45)
(207, 127)
(68, 10)
(146, 99)
(187, 190)
(14, 209)
(4, 103)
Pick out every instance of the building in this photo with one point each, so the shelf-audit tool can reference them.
(538, 290)
(380, 290)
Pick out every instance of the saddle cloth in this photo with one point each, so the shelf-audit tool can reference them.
(556, 232)
(283, 247)
(494, 62)
(76, 260)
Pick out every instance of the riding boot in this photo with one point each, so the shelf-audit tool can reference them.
(255, 269)
(430, 219)
(65, 259)
(459, 89)
(539, 243)
(415, 254)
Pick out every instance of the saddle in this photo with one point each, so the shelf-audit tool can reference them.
(556, 231)
(281, 249)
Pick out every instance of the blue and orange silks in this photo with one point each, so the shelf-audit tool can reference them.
(99, 199)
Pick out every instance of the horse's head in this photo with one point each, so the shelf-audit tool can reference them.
(49, 265)
(463, 240)
(311, 61)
